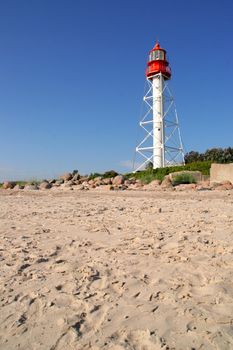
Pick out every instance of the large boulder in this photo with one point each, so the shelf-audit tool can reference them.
(69, 183)
(66, 176)
(52, 181)
(118, 180)
(59, 182)
(76, 177)
(153, 185)
(45, 185)
(107, 181)
(30, 187)
(166, 183)
(8, 185)
(196, 175)
(18, 187)
(91, 182)
(98, 178)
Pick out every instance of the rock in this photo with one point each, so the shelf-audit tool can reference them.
(45, 185)
(127, 182)
(98, 183)
(66, 177)
(19, 187)
(31, 187)
(59, 182)
(118, 180)
(225, 185)
(80, 187)
(185, 187)
(166, 183)
(97, 179)
(204, 186)
(8, 185)
(122, 187)
(84, 178)
(107, 181)
(76, 177)
(53, 181)
(91, 182)
(77, 182)
(136, 186)
(132, 180)
(153, 185)
(69, 183)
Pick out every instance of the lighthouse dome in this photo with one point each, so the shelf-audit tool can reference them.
(158, 63)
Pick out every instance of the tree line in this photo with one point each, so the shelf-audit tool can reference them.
(218, 155)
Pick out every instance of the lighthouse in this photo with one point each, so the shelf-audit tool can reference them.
(161, 144)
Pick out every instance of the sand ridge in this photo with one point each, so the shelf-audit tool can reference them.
(125, 270)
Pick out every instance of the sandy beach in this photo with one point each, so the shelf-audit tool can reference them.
(116, 270)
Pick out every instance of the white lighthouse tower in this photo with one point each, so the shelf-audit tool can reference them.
(161, 144)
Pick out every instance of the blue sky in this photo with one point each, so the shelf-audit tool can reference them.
(72, 77)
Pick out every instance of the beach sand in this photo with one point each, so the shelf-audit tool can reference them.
(116, 270)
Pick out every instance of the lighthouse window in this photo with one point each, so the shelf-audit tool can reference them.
(156, 55)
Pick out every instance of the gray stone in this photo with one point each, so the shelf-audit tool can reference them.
(197, 175)
(45, 185)
(76, 177)
(8, 185)
(118, 180)
(107, 181)
(53, 181)
(66, 176)
(31, 187)
(18, 187)
(59, 182)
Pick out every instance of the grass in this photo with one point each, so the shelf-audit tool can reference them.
(183, 179)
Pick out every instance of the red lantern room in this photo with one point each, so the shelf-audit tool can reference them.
(157, 63)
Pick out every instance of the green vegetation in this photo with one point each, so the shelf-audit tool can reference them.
(184, 178)
(107, 174)
(149, 175)
(217, 155)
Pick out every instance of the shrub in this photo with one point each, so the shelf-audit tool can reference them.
(107, 174)
(183, 179)
(110, 173)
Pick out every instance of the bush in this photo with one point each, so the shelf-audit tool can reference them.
(110, 173)
(183, 179)
(107, 174)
